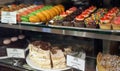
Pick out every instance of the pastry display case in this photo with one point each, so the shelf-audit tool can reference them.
(46, 34)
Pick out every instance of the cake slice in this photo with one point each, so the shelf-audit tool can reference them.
(58, 59)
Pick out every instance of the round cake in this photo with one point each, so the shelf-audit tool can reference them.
(107, 62)
(46, 57)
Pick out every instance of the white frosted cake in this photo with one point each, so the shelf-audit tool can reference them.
(46, 57)
(58, 59)
(39, 56)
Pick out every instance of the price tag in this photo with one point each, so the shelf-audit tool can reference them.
(14, 52)
(8, 17)
(76, 62)
(46, 29)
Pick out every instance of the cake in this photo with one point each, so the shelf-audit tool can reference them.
(116, 23)
(90, 23)
(58, 59)
(39, 53)
(107, 62)
(79, 21)
(105, 23)
(45, 57)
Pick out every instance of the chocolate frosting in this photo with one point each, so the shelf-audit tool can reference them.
(42, 45)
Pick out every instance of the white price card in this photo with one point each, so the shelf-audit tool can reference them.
(46, 29)
(76, 62)
(15, 52)
(8, 17)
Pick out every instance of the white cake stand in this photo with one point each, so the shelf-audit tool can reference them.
(33, 65)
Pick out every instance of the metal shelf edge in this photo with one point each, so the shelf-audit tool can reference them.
(65, 32)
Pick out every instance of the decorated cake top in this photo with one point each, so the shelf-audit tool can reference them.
(42, 45)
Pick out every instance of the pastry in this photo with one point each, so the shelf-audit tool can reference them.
(56, 10)
(93, 20)
(63, 14)
(105, 23)
(25, 19)
(71, 10)
(39, 54)
(6, 41)
(47, 15)
(107, 62)
(79, 21)
(116, 23)
(21, 36)
(13, 39)
(58, 59)
(34, 19)
(45, 57)
(41, 17)
(50, 14)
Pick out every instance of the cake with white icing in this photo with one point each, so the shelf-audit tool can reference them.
(46, 57)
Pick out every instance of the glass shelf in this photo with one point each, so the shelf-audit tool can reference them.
(23, 66)
(72, 31)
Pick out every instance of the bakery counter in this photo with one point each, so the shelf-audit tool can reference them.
(80, 32)
(21, 65)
